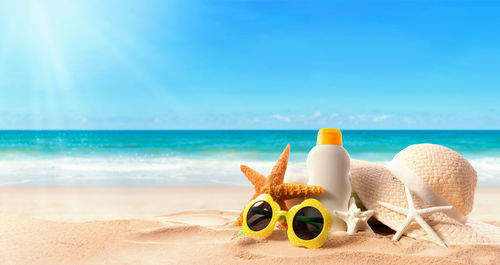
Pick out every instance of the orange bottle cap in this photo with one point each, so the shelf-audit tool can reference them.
(329, 136)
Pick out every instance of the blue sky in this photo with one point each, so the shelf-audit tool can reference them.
(249, 65)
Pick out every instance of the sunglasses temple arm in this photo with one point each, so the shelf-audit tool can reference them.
(256, 221)
(315, 226)
(309, 220)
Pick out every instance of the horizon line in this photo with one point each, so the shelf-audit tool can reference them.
(5, 130)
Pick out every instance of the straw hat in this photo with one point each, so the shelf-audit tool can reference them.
(435, 176)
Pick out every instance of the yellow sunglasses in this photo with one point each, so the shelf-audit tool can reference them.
(308, 223)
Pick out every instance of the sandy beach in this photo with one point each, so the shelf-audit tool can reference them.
(147, 132)
(190, 225)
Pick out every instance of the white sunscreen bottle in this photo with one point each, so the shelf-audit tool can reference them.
(328, 166)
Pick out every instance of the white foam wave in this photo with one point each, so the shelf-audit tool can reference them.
(165, 171)
(131, 171)
(487, 168)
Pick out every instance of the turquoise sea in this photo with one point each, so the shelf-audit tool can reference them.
(205, 158)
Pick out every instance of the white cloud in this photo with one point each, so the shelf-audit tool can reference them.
(320, 117)
(254, 120)
(316, 115)
(381, 118)
(281, 118)
(368, 117)
(299, 117)
(361, 117)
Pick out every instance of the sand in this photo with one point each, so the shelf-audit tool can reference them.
(177, 225)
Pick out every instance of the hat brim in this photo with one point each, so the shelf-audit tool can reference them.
(373, 183)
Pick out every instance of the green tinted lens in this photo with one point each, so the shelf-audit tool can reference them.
(259, 216)
(308, 223)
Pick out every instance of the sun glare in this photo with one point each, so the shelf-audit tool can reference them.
(47, 43)
(41, 35)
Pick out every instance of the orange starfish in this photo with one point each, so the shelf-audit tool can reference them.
(274, 186)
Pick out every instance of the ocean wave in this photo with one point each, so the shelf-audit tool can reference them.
(487, 168)
(178, 171)
(131, 171)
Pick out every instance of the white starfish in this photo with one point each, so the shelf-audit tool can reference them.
(355, 218)
(413, 213)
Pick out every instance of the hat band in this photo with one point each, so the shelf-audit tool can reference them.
(421, 189)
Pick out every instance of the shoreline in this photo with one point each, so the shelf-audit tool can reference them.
(88, 203)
